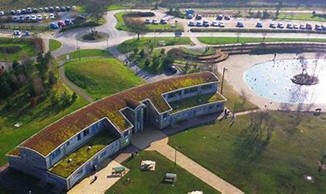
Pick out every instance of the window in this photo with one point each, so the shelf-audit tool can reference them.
(165, 115)
(78, 137)
(125, 134)
(217, 106)
(103, 154)
(79, 172)
(68, 143)
(86, 132)
(210, 107)
(207, 87)
(56, 153)
(190, 90)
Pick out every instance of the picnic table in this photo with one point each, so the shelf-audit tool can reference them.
(118, 170)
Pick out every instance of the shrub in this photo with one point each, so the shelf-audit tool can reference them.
(10, 49)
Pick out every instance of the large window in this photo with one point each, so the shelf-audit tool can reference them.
(190, 90)
(86, 132)
(207, 87)
(56, 153)
(79, 137)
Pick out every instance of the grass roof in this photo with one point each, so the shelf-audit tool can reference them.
(57, 133)
(64, 168)
(195, 101)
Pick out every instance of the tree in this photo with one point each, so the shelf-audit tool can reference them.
(136, 25)
(52, 78)
(258, 14)
(147, 63)
(15, 66)
(74, 97)
(265, 14)
(167, 60)
(4, 86)
(64, 99)
(96, 9)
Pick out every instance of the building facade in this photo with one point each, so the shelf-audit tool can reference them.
(70, 149)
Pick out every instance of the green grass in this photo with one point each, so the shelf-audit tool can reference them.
(195, 101)
(201, 52)
(301, 16)
(54, 44)
(130, 45)
(151, 181)
(26, 49)
(257, 162)
(86, 53)
(65, 168)
(231, 40)
(101, 77)
(117, 7)
(32, 118)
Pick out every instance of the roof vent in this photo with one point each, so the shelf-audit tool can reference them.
(69, 160)
(89, 147)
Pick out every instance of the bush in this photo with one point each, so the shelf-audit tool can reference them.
(10, 49)
(246, 30)
(139, 14)
(90, 23)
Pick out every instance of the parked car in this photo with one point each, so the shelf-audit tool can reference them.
(63, 8)
(295, 26)
(199, 23)
(2, 13)
(221, 24)
(289, 26)
(61, 24)
(308, 26)
(68, 8)
(29, 10)
(318, 27)
(68, 22)
(219, 17)
(280, 25)
(54, 25)
(15, 18)
(12, 12)
(26, 33)
(155, 22)
(16, 33)
(39, 17)
(272, 25)
(226, 17)
(214, 23)
(259, 24)
(40, 9)
(198, 17)
(35, 10)
(239, 24)
(172, 69)
(46, 9)
(81, 17)
(21, 18)
(51, 9)
(23, 11)
(33, 17)
(163, 21)
(51, 16)
(302, 27)
(205, 23)
(27, 17)
(191, 23)
(57, 9)
(18, 12)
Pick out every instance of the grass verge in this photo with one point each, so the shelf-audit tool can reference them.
(54, 45)
(300, 16)
(101, 77)
(273, 158)
(86, 53)
(151, 181)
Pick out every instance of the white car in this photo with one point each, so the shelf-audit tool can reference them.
(45, 16)
(2, 13)
(295, 26)
(191, 23)
(51, 16)
(155, 22)
(214, 23)
(27, 17)
(163, 21)
(221, 24)
(39, 17)
(302, 27)
(199, 23)
(21, 18)
(148, 21)
(33, 17)
(15, 18)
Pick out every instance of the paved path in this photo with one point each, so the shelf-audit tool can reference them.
(191, 166)
(104, 181)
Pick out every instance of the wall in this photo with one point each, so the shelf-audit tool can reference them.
(32, 158)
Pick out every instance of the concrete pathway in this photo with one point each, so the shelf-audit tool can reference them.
(104, 181)
(191, 166)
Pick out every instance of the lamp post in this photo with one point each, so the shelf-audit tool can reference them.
(222, 84)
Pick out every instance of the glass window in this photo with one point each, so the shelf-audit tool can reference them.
(126, 133)
(86, 132)
(103, 154)
(78, 137)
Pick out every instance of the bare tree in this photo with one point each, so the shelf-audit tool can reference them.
(96, 9)
(136, 25)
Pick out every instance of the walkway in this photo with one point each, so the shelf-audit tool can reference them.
(104, 181)
(74, 87)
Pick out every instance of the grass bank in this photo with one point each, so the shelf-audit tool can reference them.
(273, 157)
(101, 77)
(152, 181)
(54, 45)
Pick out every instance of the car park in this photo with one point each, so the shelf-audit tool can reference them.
(219, 17)
(239, 24)
(259, 24)
(198, 17)
(163, 21)
(280, 25)
(191, 23)
(2, 13)
(272, 25)
(221, 24)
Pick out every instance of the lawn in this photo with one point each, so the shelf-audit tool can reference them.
(272, 158)
(231, 40)
(300, 16)
(18, 50)
(54, 44)
(101, 77)
(86, 53)
(130, 45)
(32, 118)
(117, 7)
(151, 181)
